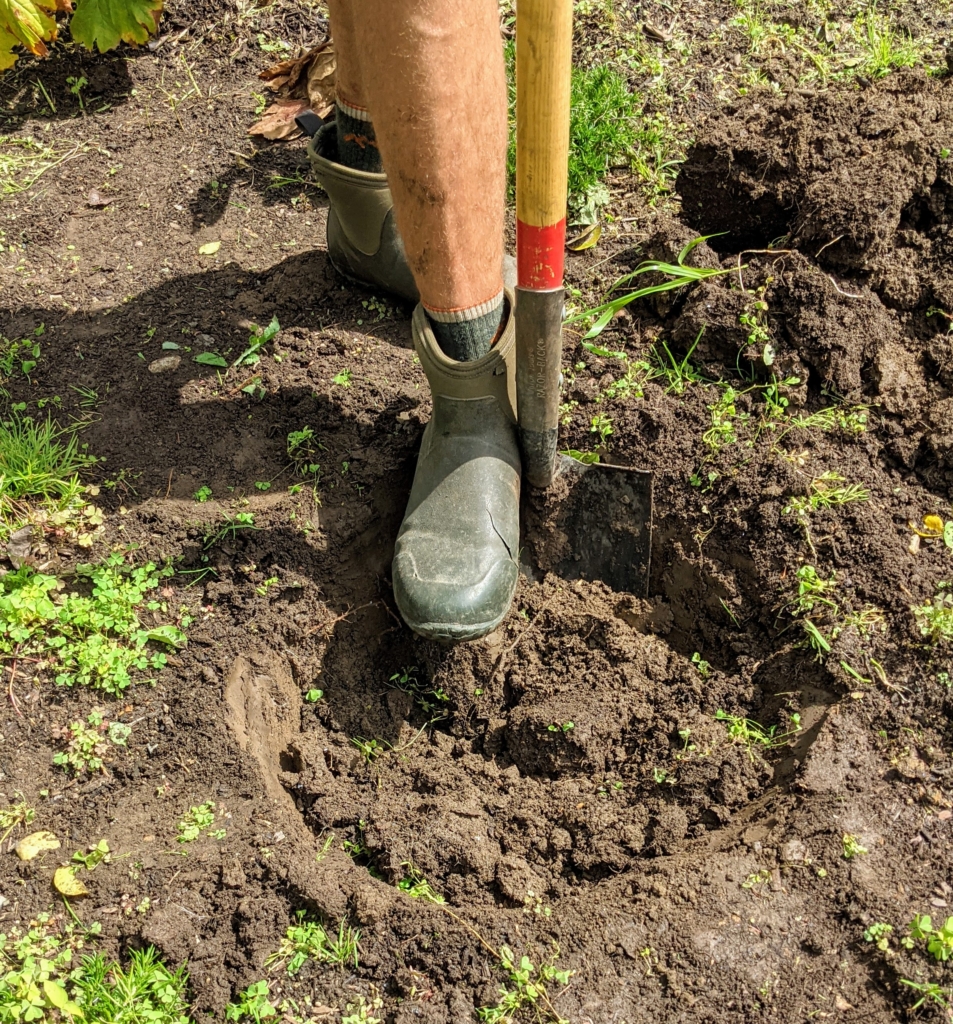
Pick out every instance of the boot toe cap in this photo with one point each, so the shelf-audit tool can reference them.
(463, 605)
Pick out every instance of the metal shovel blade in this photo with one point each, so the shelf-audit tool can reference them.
(594, 523)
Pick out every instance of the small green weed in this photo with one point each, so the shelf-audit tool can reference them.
(851, 846)
(939, 940)
(370, 750)
(750, 734)
(309, 940)
(704, 667)
(530, 989)
(678, 275)
(602, 426)
(303, 450)
(196, 820)
(879, 932)
(756, 879)
(935, 618)
(88, 744)
(342, 379)
(21, 354)
(724, 419)
(15, 816)
(252, 1004)
(828, 491)
(432, 700)
(313, 696)
(562, 727)
(362, 1010)
(232, 526)
(813, 590)
(203, 493)
(96, 641)
(417, 887)
(930, 992)
(259, 337)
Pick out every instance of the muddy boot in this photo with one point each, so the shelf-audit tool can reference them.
(363, 243)
(455, 563)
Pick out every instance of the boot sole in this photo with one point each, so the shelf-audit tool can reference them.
(445, 633)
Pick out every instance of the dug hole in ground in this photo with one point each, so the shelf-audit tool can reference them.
(728, 802)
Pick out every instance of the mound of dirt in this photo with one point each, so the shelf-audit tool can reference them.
(860, 180)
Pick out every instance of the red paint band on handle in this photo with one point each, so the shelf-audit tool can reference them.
(540, 255)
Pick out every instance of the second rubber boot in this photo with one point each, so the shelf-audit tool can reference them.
(455, 563)
(363, 242)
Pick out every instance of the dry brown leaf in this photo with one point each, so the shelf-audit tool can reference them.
(299, 83)
(278, 121)
(290, 77)
(321, 76)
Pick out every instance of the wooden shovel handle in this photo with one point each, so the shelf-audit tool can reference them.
(543, 74)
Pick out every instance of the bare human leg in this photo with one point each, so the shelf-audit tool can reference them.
(430, 75)
(425, 79)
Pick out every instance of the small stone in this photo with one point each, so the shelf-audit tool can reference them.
(794, 852)
(165, 364)
(18, 546)
(205, 339)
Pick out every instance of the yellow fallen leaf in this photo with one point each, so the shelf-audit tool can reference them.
(66, 882)
(585, 239)
(932, 528)
(36, 843)
(210, 248)
(858, 695)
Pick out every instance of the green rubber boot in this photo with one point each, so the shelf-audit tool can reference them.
(455, 563)
(363, 242)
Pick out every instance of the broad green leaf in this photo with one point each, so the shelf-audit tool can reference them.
(58, 997)
(210, 359)
(107, 23)
(23, 23)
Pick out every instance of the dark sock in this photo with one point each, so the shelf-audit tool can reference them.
(467, 334)
(357, 143)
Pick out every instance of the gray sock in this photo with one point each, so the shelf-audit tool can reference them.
(357, 143)
(467, 334)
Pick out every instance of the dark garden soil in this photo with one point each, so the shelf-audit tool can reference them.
(683, 876)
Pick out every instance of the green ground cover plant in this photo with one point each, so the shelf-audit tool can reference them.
(309, 940)
(41, 980)
(95, 640)
(935, 618)
(87, 744)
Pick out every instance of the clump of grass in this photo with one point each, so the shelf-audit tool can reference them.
(146, 992)
(39, 459)
(309, 940)
(41, 980)
(677, 275)
(607, 129)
